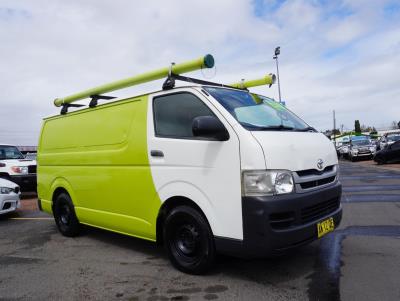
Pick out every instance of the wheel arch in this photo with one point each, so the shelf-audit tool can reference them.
(169, 205)
(58, 186)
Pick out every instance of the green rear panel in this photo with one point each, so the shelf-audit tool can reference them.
(100, 157)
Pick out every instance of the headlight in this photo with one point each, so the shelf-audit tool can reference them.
(372, 149)
(20, 169)
(6, 190)
(354, 151)
(267, 182)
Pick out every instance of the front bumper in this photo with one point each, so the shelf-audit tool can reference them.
(26, 182)
(272, 224)
(362, 155)
(9, 203)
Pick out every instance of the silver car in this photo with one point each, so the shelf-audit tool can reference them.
(9, 196)
(361, 148)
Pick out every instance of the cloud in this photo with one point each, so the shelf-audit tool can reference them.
(341, 55)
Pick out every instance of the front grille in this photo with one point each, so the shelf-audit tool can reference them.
(301, 216)
(314, 172)
(319, 210)
(316, 183)
(311, 179)
(32, 169)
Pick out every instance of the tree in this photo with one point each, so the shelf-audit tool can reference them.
(398, 124)
(395, 125)
(357, 127)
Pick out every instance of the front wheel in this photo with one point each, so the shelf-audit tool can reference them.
(381, 161)
(64, 215)
(188, 240)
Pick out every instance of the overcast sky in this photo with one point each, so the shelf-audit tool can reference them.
(342, 55)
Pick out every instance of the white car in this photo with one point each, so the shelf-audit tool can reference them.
(388, 139)
(9, 196)
(16, 168)
(343, 150)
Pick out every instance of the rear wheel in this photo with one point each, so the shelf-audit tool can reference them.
(64, 215)
(188, 240)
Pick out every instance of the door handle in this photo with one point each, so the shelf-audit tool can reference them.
(156, 153)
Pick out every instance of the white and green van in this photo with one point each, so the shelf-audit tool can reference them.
(201, 169)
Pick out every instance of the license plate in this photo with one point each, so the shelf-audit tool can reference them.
(325, 227)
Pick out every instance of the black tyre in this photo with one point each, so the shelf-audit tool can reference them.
(189, 241)
(64, 215)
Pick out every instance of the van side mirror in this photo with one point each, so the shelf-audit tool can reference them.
(209, 127)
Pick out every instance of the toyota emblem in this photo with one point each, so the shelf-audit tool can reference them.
(320, 164)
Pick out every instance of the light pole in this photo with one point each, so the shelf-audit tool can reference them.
(275, 57)
(334, 127)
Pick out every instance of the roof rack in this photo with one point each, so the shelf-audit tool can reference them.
(171, 73)
(268, 79)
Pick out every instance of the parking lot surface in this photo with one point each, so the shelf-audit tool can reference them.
(359, 261)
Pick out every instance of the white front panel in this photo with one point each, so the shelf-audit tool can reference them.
(295, 150)
(207, 172)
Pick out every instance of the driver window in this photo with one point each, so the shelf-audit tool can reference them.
(174, 114)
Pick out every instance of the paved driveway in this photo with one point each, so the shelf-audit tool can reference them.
(359, 261)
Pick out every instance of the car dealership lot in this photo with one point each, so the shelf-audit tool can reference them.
(360, 260)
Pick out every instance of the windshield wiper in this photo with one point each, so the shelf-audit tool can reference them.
(268, 128)
(279, 127)
(307, 129)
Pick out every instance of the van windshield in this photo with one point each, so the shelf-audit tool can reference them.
(10, 152)
(257, 113)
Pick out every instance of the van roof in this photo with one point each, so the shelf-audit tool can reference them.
(119, 100)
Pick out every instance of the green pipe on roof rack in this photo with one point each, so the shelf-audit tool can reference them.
(206, 61)
(268, 79)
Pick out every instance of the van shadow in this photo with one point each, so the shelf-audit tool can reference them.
(291, 265)
(268, 271)
(123, 241)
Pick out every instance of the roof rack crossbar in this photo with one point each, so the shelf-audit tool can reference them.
(170, 82)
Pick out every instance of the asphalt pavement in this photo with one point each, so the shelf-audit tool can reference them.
(358, 261)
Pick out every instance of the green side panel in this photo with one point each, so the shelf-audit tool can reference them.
(100, 157)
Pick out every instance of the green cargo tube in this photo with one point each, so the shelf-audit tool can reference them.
(206, 61)
(268, 79)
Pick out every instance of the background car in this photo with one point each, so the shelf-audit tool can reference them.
(387, 139)
(9, 196)
(343, 150)
(391, 153)
(361, 148)
(30, 156)
(16, 168)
